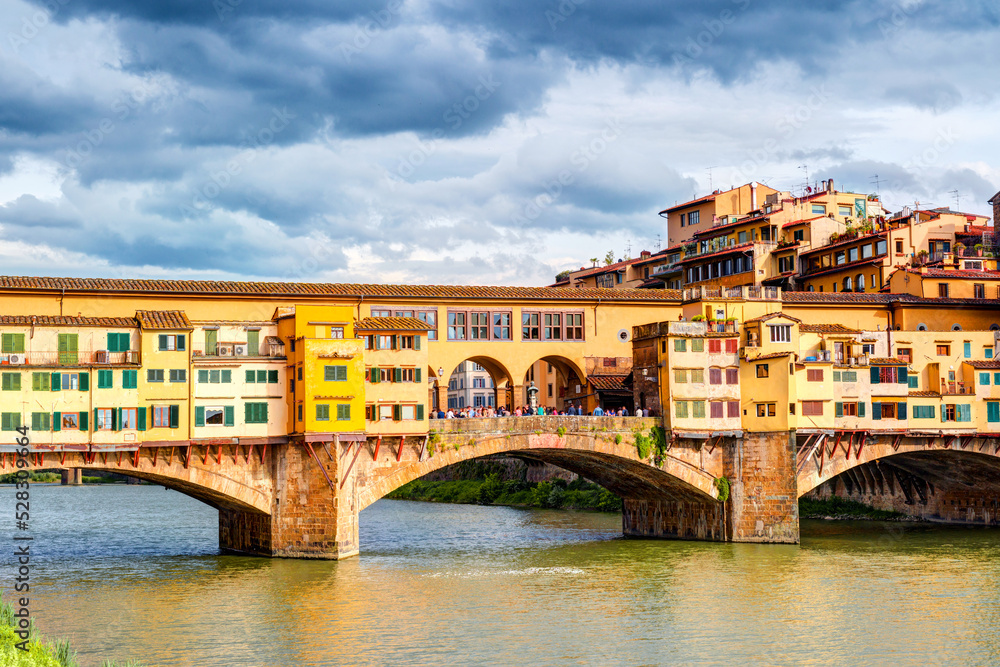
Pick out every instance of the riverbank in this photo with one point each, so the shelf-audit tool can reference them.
(577, 494)
(838, 509)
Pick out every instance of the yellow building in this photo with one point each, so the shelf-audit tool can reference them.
(395, 361)
(946, 282)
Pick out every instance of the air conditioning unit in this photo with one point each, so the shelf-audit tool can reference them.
(240, 350)
(101, 356)
(15, 359)
(224, 350)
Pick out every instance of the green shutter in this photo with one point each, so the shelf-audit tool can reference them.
(199, 416)
(397, 374)
(272, 377)
(874, 373)
(253, 343)
(251, 377)
(984, 379)
(861, 408)
(96, 420)
(838, 409)
(85, 381)
(420, 408)
(83, 420)
(836, 376)
(996, 379)
(262, 413)
(56, 421)
(417, 375)
(229, 416)
(395, 342)
(227, 376)
(876, 411)
(175, 416)
(901, 376)
(112, 342)
(140, 416)
(56, 384)
(416, 342)
(203, 375)
(397, 413)
(901, 410)
(963, 413)
(993, 411)
(181, 342)
(967, 349)
(116, 419)
(375, 375)
(163, 342)
(248, 413)
(261, 377)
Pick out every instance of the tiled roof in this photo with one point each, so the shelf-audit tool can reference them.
(331, 290)
(163, 319)
(769, 316)
(607, 382)
(842, 297)
(924, 394)
(391, 324)
(721, 251)
(800, 222)
(827, 328)
(772, 355)
(700, 200)
(885, 361)
(987, 363)
(967, 274)
(68, 321)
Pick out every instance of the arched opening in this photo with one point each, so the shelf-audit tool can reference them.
(921, 327)
(995, 327)
(475, 386)
(859, 282)
(847, 284)
(956, 327)
(560, 383)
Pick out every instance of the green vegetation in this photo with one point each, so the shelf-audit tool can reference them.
(39, 653)
(843, 509)
(561, 431)
(33, 476)
(655, 443)
(618, 438)
(722, 485)
(557, 494)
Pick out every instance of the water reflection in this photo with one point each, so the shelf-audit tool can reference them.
(134, 571)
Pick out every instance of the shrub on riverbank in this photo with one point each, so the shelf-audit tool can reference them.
(839, 508)
(557, 494)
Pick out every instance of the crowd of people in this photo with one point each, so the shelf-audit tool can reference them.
(527, 411)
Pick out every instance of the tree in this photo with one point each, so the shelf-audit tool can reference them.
(562, 275)
(609, 258)
(593, 260)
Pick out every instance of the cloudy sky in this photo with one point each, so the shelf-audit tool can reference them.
(461, 141)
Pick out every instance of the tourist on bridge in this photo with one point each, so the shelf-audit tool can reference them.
(598, 412)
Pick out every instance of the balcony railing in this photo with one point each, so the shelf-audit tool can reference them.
(957, 388)
(750, 292)
(78, 358)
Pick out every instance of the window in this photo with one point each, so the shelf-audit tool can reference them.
(41, 382)
(992, 411)
(681, 409)
(697, 376)
(984, 379)
(732, 376)
(847, 409)
(68, 348)
(818, 209)
(715, 376)
(880, 247)
(944, 350)
(716, 409)
(501, 326)
(923, 412)
(848, 284)
(161, 416)
(680, 376)
(479, 328)
(410, 374)
(741, 237)
(697, 409)
(899, 247)
(457, 326)
(814, 375)
(130, 379)
(118, 342)
(385, 412)
(255, 413)
(337, 333)
(905, 353)
(154, 375)
(845, 211)
(849, 376)
(322, 412)
(812, 408)
(888, 410)
(766, 409)
(732, 408)
(41, 421)
(680, 345)
(343, 412)
(799, 235)
(171, 342)
(762, 371)
(430, 317)
(213, 416)
(553, 326)
(852, 254)
(943, 290)
(913, 381)
(178, 375)
(128, 419)
(530, 326)
(335, 373)
(105, 379)
(866, 251)
(780, 333)
(11, 382)
(694, 217)
(840, 258)
(967, 349)
(574, 326)
(69, 421)
(731, 345)
(886, 374)
(103, 422)
(10, 421)
(859, 282)
(698, 345)
(12, 342)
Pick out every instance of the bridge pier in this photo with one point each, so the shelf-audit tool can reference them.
(71, 477)
(314, 509)
(762, 505)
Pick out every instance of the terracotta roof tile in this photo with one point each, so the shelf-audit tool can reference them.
(163, 319)
(827, 328)
(391, 324)
(607, 382)
(967, 274)
(770, 316)
(69, 321)
(924, 394)
(886, 361)
(330, 290)
(772, 355)
(987, 363)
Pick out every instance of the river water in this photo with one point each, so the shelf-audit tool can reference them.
(134, 571)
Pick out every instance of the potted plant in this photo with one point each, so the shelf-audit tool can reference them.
(698, 318)
(979, 249)
(959, 247)
(922, 255)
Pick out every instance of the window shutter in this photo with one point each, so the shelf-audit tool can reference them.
(836, 376)
(140, 414)
(397, 413)
(397, 374)
(112, 342)
(229, 415)
(901, 376)
(417, 377)
(262, 412)
(181, 343)
(420, 411)
(416, 342)
(163, 341)
(203, 375)
(248, 413)
(96, 421)
(56, 421)
(839, 409)
(901, 410)
(993, 411)
(83, 419)
(861, 408)
(876, 411)
(199, 416)
(116, 419)
(395, 342)
(375, 375)
(84, 381)
(56, 381)
(227, 376)
(174, 414)
(874, 372)
(272, 377)
(251, 377)
(965, 413)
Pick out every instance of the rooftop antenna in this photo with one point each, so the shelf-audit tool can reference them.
(628, 249)
(711, 185)
(806, 169)
(958, 199)
(659, 242)
(876, 181)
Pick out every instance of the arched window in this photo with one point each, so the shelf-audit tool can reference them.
(859, 282)
(995, 327)
(847, 284)
(956, 327)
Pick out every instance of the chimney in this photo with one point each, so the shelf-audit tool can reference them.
(753, 195)
(829, 186)
(644, 254)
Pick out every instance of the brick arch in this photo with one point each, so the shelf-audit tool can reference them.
(222, 487)
(949, 460)
(616, 466)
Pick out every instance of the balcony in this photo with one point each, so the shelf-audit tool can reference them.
(746, 292)
(957, 388)
(78, 358)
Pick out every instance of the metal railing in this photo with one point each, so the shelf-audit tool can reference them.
(78, 358)
(750, 292)
(957, 388)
